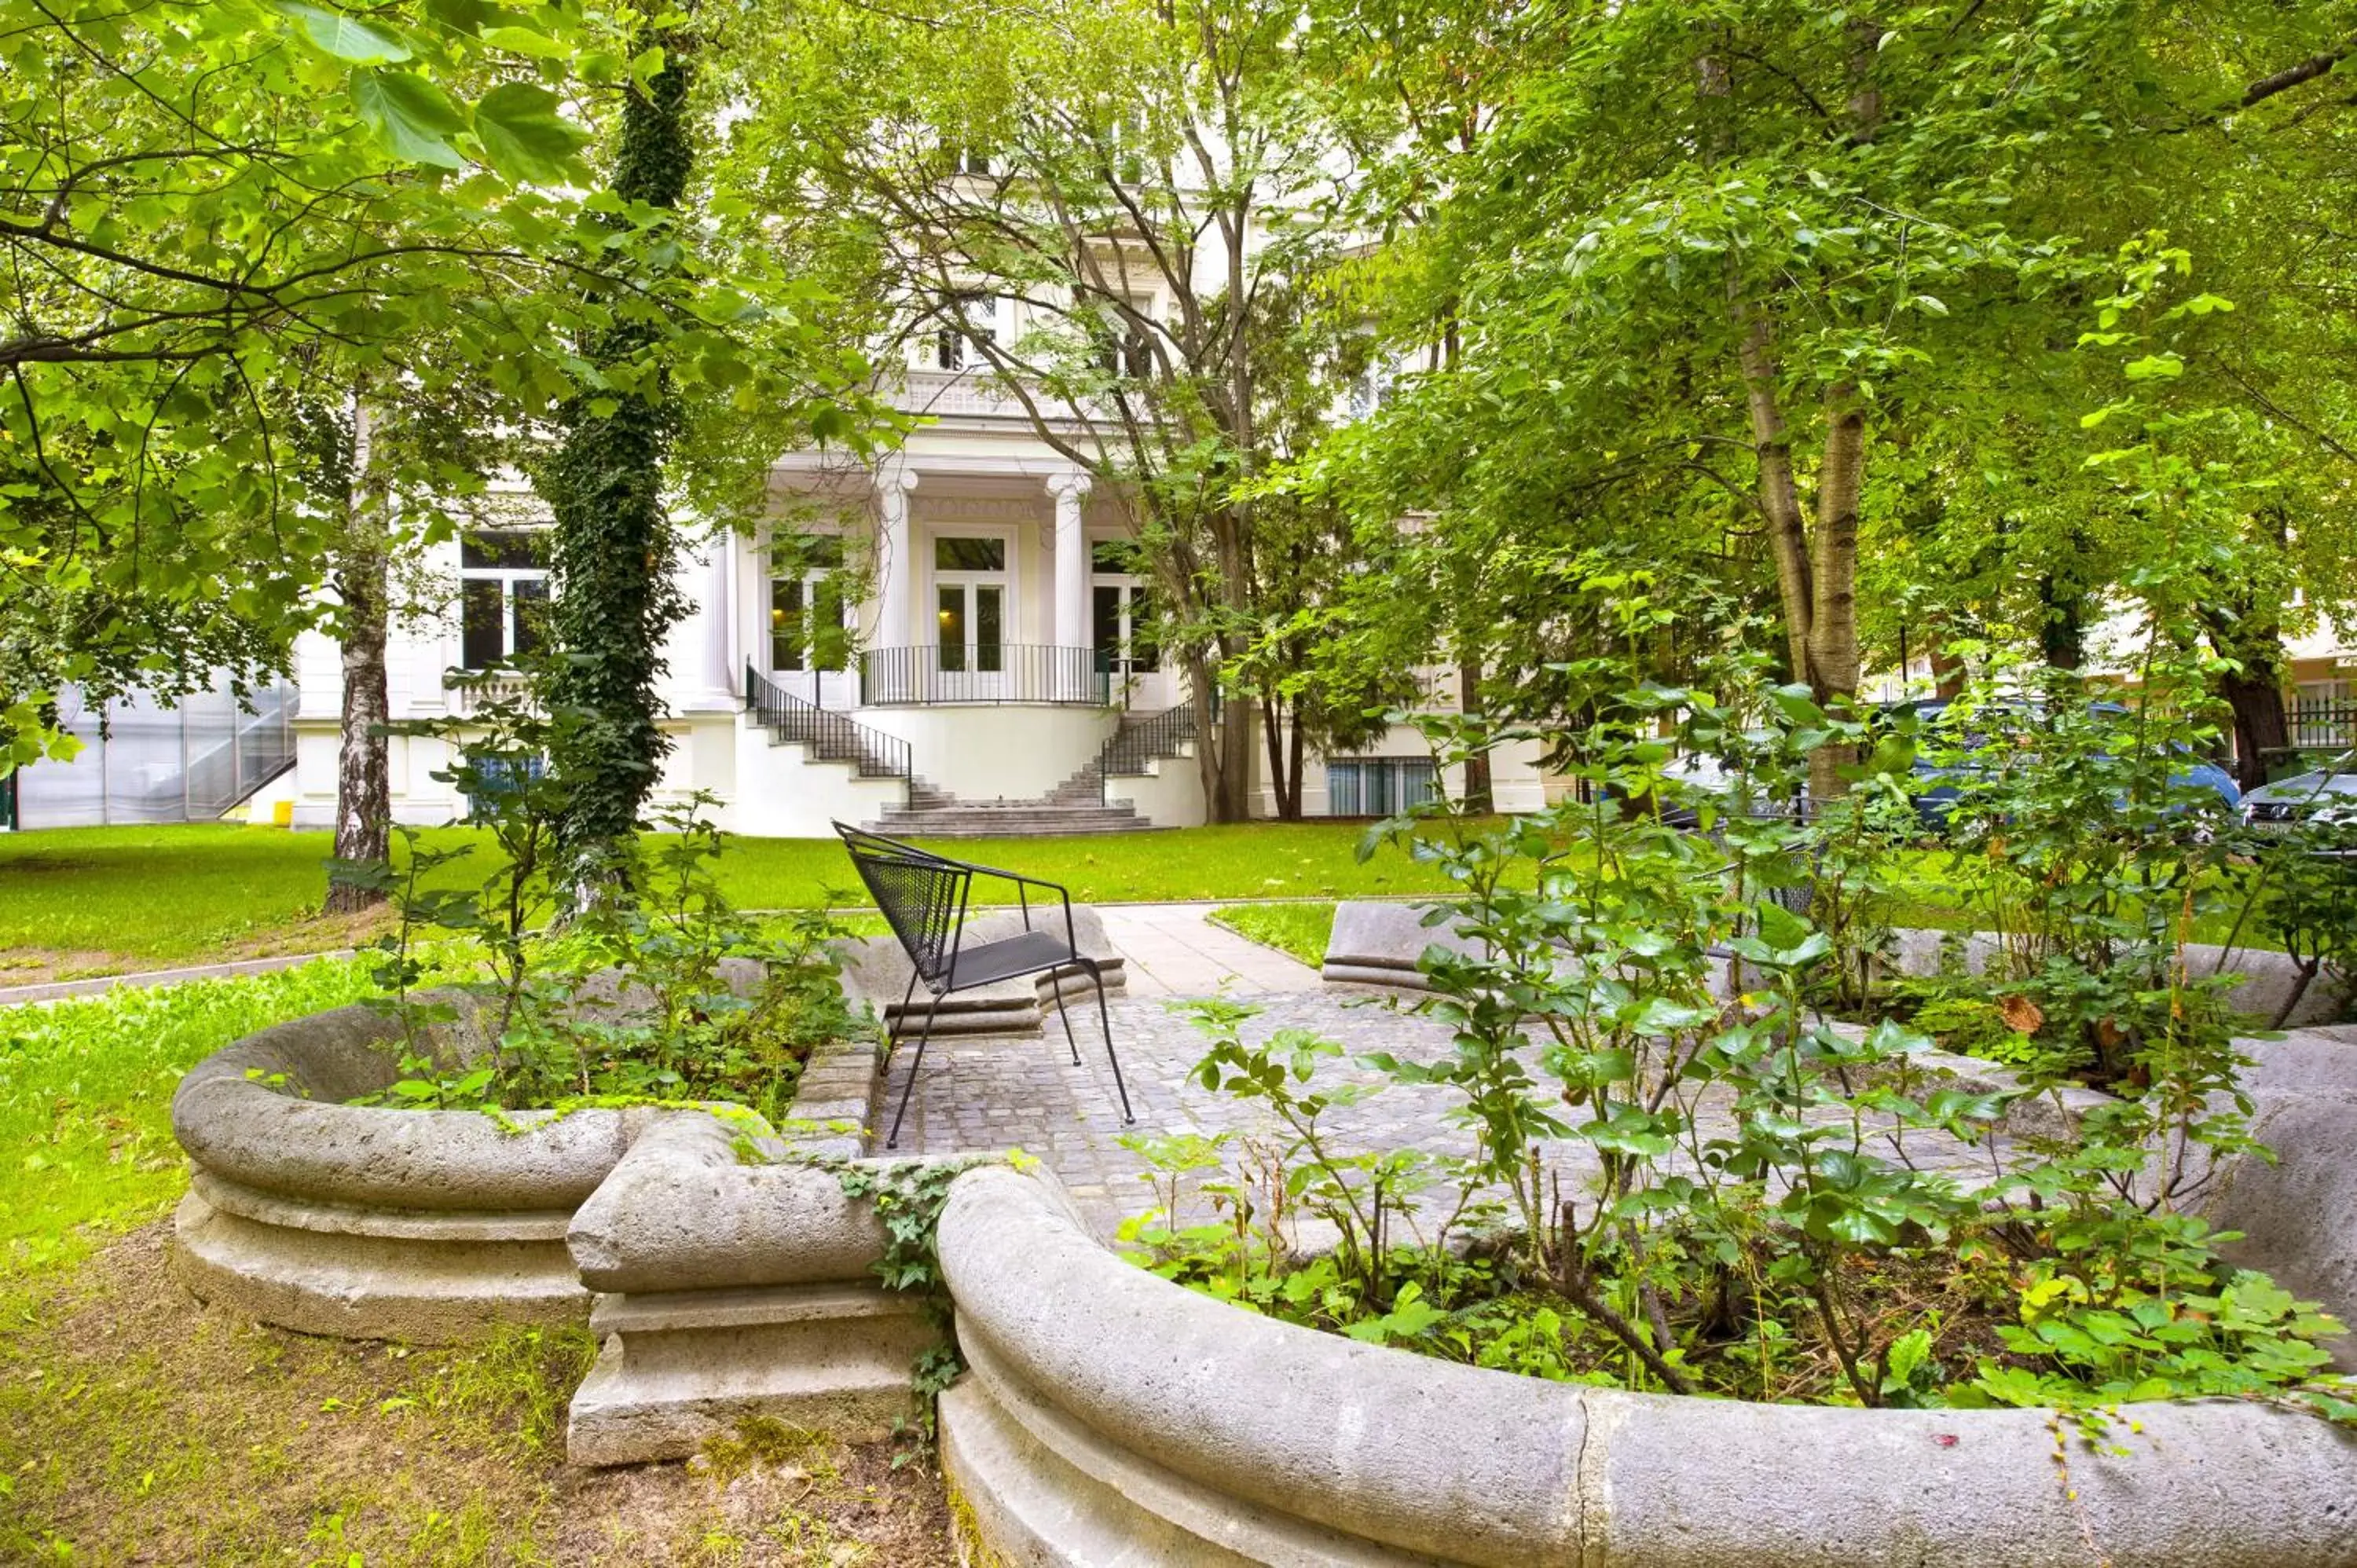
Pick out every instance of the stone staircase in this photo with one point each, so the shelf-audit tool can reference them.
(1074, 806)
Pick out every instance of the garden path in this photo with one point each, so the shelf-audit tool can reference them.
(984, 1093)
(1172, 949)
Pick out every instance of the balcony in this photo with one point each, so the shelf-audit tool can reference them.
(990, 673)
(972, 395)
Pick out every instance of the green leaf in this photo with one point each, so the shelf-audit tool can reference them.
(524, 41)
(523, 134)
(345, 37)
(409, 115)
(2163, 367)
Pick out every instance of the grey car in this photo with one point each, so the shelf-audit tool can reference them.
(2328, 794)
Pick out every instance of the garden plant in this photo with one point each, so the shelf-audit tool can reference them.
(1783, 1199)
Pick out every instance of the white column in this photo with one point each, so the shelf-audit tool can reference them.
(1071, 624)
(896, 563)
(721, 665)
(1070, 629)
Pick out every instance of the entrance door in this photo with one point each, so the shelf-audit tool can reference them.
(1121, 629)
(809, 628)
(970, 595)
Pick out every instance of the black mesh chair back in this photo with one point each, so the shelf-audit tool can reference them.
(923, 897)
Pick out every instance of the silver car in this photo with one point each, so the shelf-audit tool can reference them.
(2327, 794)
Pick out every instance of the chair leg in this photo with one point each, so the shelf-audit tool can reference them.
(1104, 1015)
(923, 1034)
(1057, 979)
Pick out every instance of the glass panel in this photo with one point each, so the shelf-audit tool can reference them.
(513, 549)
(830, 639)
(1143, 654)
(1342, 789)
(483, 640)
(788, 637)
(1104, 624)
(969, 555)
(1414, 785)
(952, 628)
(531, 614)
(987, 641)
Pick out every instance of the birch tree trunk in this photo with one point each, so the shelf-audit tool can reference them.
(363, 778)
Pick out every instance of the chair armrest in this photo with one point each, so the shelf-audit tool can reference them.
(1072, 938)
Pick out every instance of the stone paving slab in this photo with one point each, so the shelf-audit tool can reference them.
(1173, 950)
(979, 1094)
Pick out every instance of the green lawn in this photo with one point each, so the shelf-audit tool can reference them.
(136, 1426)
(104, 900)
(1301, 929)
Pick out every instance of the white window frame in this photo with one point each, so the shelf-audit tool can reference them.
(509, 578)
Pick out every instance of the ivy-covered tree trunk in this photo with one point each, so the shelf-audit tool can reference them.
(614, 544)
(363, 774)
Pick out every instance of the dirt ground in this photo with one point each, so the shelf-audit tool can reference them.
(138, 1426)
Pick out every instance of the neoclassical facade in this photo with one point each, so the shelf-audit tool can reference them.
(953, 640)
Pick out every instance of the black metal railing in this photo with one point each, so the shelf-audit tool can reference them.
(830, 737)
(1141, 740)
(2317, 723)
(1004, 673)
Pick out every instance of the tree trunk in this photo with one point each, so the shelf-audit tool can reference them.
(2062, 636)
(1284, 781)
(1779, 496)
(2253, 638)
(614, 545)
(363, 778)
(1479, 799)
(1293, 814)
(1833, 649)
(2262, 724)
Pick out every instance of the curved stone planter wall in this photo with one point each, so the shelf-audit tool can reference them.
(374, 1222)
(730, 1290)
(1114, 1418)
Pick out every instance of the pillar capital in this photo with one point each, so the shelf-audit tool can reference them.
(1070, 485)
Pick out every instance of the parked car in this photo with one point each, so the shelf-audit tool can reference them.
(1946, 784)
(2328, 793)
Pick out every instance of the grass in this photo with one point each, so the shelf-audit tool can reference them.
(86, 1099)
(138, 1425)
(81, 901)
(1300, 930)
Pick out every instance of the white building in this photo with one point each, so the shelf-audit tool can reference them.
(996, 675)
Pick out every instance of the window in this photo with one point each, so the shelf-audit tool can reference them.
(969, 316)
(969, 160)
(502, 596)
(1122, 614)
(1376, 786)
(1370, 389)
(952, 554)
(1125, 346)
(970, 603)
(808, 617)
(1129, 147)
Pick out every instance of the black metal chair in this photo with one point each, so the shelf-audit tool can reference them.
(923, 897)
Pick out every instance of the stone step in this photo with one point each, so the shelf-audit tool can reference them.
(1013, 818)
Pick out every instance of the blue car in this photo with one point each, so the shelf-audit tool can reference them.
(1946, 784)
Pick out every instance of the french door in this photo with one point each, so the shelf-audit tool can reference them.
(969, 614)
(810, 630)
(1122, 626)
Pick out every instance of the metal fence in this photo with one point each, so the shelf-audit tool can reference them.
(2322, 722)
(142, 761)
(991, 673)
